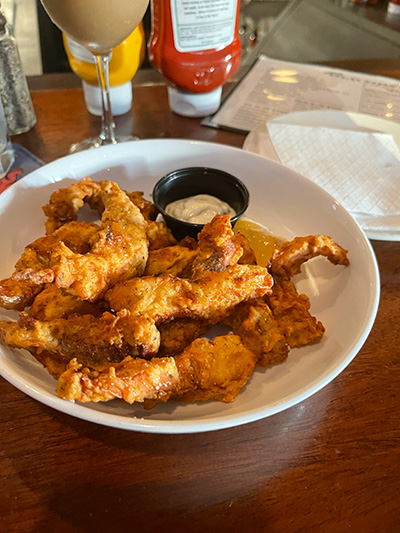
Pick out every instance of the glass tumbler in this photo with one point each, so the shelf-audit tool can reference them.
(6, 149)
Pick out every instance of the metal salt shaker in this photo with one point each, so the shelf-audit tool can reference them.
(14, 90)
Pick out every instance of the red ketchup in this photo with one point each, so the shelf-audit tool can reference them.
(195, 45)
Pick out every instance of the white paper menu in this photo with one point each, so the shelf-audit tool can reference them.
(273, 87)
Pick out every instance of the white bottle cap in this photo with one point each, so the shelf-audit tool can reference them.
(194, 104)
(393, 8)
(120, 97)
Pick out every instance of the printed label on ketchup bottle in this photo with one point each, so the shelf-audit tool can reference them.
(203, 24)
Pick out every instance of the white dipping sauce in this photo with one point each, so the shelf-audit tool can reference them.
(198, 209)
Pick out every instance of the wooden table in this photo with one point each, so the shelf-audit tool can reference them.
(330, 464)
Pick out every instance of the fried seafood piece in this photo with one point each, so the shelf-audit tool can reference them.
(53, 302)
(248, 257)
(65, 203)
(32, 270)
(133, 380)
(291, 310)
(18, 292)
(287, 260)
(92, 341)
(258, 329)
(211, 297)
(217, 249)
(171, 261)
(78, 236)
(119, 251)
(205, 370)
(54, 362)
(177, 334)
(214, 370)
(159, 235)
(147, 208)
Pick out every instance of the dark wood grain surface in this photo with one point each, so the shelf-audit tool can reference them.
(330, 464)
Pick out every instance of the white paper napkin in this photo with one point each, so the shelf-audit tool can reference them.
(359, 169)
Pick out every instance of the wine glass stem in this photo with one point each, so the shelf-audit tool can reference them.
(107, 134)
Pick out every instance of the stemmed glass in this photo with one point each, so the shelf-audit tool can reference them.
(99, 26)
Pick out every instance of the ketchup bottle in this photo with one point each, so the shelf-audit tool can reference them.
(195, 45)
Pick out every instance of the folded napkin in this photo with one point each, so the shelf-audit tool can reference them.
(360, 169)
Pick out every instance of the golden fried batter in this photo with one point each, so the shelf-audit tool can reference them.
(159, 236)
(119, 252)
(147, 208)
(211, 297)
(218, 247)
(204, 371)
(53, 302)
(215, 370)
(65, 203)
(258, 329)
(133, 380)
(287, 260)
(93, 341)
(248, 257)
(32, 270)
(172, 260)
(291, 310)
(177, 334)
(18, 293)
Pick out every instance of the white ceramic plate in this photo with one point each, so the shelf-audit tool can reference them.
(344, 299)
(258, 140)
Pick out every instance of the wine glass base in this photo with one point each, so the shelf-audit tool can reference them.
(96, 142)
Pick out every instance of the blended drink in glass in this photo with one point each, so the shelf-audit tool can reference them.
(99, 25)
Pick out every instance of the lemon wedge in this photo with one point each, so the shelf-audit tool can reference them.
(261, 241)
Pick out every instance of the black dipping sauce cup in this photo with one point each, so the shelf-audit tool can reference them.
(191, 181)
